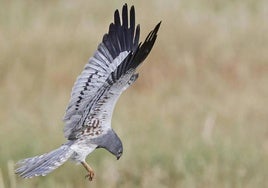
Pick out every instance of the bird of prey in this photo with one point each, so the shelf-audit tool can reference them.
(110, 71)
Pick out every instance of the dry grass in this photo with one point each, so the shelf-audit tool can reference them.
(197, 116)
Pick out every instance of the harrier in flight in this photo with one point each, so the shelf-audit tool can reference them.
(110, 71)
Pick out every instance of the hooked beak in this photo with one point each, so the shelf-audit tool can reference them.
(118, 156)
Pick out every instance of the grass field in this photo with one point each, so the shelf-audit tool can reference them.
(196, 118)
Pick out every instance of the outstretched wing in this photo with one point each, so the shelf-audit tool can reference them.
(107, 73)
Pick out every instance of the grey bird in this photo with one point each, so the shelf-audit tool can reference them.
(110, 71)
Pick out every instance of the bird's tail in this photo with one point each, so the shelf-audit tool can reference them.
(44, 164)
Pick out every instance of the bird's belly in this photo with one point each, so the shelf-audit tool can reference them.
(82, 149)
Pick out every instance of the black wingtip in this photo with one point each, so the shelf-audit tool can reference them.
(157, 26)
(125, 16)
(145, 48)
(117, 17)
(132, 18)
(153, 33)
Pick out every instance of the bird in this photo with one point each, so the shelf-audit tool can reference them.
(109, 72)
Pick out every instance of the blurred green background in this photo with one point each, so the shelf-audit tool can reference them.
(196, 117)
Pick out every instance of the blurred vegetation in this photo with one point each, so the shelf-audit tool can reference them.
(196, 117)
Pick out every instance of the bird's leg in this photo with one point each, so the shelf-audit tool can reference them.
(90, 171)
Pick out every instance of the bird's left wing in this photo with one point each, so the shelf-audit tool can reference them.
(112, 66)
(120, 40)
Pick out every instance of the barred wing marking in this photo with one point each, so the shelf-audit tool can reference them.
(88, 83)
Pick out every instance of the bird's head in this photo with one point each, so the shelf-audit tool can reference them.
(111, 142)
(115, 145)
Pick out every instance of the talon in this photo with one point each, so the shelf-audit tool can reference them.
(90, 175)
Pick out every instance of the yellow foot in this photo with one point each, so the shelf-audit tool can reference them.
(90, 171)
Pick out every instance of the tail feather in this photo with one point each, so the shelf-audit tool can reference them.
(43, 164)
